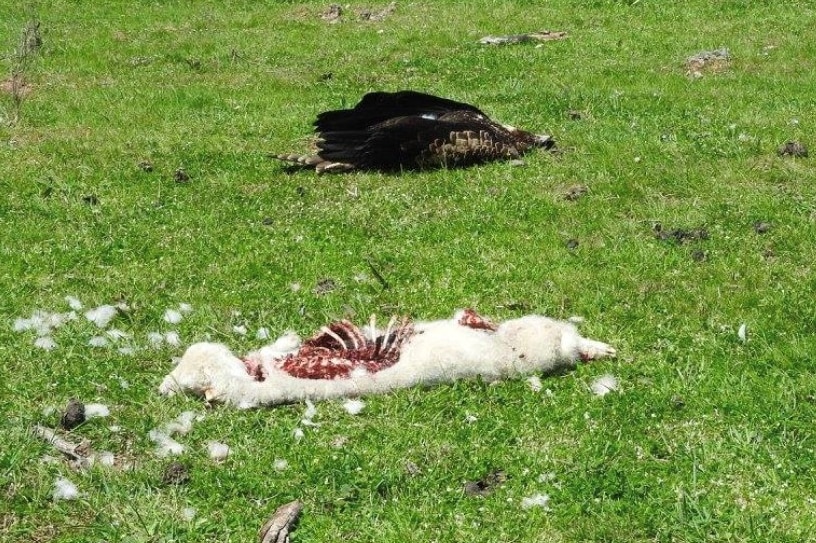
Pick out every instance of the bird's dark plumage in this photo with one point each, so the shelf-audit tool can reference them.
(410, 130)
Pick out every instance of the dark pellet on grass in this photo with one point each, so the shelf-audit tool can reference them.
(572, 244)
(176, 473)
(761, 227)
(180, 176)
(145, 166)
(74, 414)
(575, 192)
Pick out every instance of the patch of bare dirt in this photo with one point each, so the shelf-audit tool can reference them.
(715, 61)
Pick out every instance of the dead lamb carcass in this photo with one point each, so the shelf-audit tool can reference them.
(343, 360)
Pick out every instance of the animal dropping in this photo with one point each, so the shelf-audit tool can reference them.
(343, 360)
(409, 130)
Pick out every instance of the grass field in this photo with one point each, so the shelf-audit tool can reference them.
(710, 436)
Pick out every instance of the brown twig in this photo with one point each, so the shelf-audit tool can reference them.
(276, 529)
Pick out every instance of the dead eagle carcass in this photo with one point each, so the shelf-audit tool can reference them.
(410, 130)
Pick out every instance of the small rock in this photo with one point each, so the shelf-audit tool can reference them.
(74, 414)
(793, 148)
(176, 473)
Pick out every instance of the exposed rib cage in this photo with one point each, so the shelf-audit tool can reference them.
(341, 348)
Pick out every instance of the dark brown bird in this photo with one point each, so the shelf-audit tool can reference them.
(409, 130)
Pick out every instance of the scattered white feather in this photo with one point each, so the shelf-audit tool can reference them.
(311, 410)
(185, 308)
(127, 351)
(155, 339)
(106, 458)
(165, 445)
(218, 451)
(98, 341)
(115, 334)
(102, 315)
(742, 333)
(298, 434)
(262, 334)
(65, 490)
(604, 384)
(93, 410)
(172, 316)
(535, 383)
(353, 407)
(280, 464)
(45, 342)
(181, 424)
(172, 339)
(240, 329)
(73, 302)
(188, 514)
(536, 500)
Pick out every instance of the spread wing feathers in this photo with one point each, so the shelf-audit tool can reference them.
(410, 130)
(377, 107)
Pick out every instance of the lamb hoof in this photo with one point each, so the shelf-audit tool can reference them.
(592, 350)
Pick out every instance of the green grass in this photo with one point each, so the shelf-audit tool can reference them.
(710, 438)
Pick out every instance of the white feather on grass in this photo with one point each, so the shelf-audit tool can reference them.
(240, 329)
(742, 333)
(218, 451)
(535, 383)
(46, 343)
(65, 490)
(353, 406)
(298, 434)
(115, 334)
(106, 458)
(95, 410)
(172, 339)
(280, 464)
(165, 445)
(604, 384)
(155, 339)
(101, 316)
(536, 500)
(98, 341)
(172, 316)
(185, 308)
(188, 514)
(73, 302)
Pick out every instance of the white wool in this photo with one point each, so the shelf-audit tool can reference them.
(102, 315)
(73, 303)
(106, 458)
(39, 321)
(294, 287)
(115, 428)
(65, 490)
(21, 324)
(535, 383)
(115, 334)
(127, 351)
(188, 513)
(311, 410)
(45, 342)
(353, 407)
(298, 434)
(155, 339)
(165, 445)
(604, 384)
(98, 341)
(470, 419)
(123, 383)
(536, 500)
(172, 339)
(742, 333)
(185, 308)
(93, 410)
(262, 334)
(218, 451)
(280, 464)
(240, 329)
(576, 319)
(181, 424)
(172, 316)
